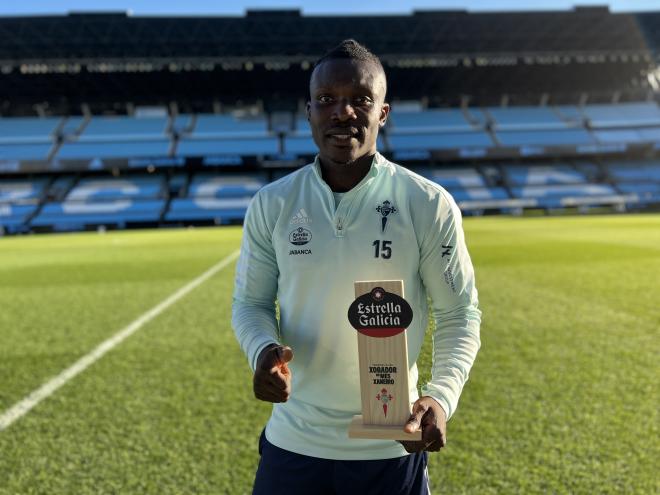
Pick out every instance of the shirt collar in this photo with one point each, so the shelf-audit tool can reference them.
(377, 164)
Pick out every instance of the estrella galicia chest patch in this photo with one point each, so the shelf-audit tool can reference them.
(300, 236)
(386, 208)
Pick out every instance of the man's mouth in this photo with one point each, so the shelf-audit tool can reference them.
(343, 135)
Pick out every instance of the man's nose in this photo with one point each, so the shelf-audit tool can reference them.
(344, 110)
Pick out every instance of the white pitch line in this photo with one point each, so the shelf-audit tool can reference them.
(21, 408)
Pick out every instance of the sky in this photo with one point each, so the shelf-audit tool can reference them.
(310, 7)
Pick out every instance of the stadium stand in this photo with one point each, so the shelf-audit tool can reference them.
(428, 120)
(27, 138)
(19, 199)
(228, 146)
(439, 141)
(88, 150)
(543, 175)
(78, 215)
(507, 111)
(223, 199)
(227, 135)
(28, 130)
(525, 118)
(623, 114)
(124, 128)
(641, 180)
(471, 190)
(555, 137)
(226, 126)
(106, 201)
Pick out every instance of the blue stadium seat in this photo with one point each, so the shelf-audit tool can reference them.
(234, 146)
(177, 182)
(33, 151)
(218, 210)
(570, 114)
(21, 190)
(13, 217)
(555, 196)
(93, 189)
(649, 134)
(107, 201)
(617, 136)
(588, 169)
(439, 141)
(210, 126)
(478, 193)
(423, 121)
(182, 123)
(555, 137)
(217, 198)
(111, 149)
(640, 188)
(301, 126)
(124, 128)
(525, 118)
(300, 145)
(449, 177)
(16, 130)
(646, 192)
(60, 187)
(623, 114)
(75, 215)
(225, 186)
(562, 190)
(635, 171)
(72, 126)
(543, 175)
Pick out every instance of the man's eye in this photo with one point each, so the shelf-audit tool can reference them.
(363, 100)
(324, 99)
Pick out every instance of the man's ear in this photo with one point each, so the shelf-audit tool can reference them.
(308, 109)
(384, 112)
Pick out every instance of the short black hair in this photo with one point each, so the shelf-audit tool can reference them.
(350, 49)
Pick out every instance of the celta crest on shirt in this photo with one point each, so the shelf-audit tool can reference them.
(385, 209)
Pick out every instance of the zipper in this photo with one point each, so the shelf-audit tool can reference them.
(339, 228)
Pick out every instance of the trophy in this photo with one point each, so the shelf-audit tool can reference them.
(380, 315)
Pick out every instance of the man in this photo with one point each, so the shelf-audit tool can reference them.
(350, 215)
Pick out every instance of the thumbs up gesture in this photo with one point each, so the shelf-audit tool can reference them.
(272, 378)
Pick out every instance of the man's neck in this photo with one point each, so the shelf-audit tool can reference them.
(342, 177)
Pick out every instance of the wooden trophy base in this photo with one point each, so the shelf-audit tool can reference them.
(358, 429)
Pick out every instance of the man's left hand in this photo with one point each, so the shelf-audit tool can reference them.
(428, 415)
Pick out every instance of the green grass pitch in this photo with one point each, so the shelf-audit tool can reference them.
(563, 397)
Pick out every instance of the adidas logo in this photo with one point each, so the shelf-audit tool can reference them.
(300, 218)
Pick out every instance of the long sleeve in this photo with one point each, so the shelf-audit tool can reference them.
(255, 288)
(447, 274)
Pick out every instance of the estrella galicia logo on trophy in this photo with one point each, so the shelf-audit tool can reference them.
(385, 209)
(380, 313)
(300, 236)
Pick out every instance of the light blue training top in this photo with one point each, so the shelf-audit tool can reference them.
(302, 252)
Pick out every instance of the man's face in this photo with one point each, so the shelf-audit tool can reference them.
(347, 109)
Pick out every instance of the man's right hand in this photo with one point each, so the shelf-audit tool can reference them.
(272, 378)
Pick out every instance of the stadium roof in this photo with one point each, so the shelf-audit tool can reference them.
(290, 35)
(435, 54)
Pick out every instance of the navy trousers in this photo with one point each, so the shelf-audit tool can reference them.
(283, 472)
